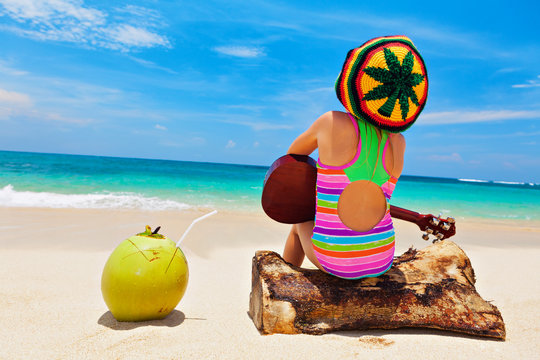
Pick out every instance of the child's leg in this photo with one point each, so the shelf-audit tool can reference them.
(299, 245)
(293, 252)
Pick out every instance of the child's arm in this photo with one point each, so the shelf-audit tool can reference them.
(306, 142)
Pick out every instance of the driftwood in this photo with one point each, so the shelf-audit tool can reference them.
(432, 288)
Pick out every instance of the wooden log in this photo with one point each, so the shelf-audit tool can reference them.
(432, 288)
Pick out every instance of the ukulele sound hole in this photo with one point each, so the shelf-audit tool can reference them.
(361, 205)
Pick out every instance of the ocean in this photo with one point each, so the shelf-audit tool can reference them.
(76, 181)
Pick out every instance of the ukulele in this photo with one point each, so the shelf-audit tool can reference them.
(289, 195)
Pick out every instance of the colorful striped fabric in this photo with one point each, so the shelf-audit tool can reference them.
(340, 250)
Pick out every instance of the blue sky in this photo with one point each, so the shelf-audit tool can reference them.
(237, 81)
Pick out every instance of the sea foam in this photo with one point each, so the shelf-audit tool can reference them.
(125, 200)
(473, 180)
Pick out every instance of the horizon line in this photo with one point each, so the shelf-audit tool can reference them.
(461, 180)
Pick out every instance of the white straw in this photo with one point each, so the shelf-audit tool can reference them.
(193, 223)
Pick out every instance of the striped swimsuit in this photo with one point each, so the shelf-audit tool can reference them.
(340, 250)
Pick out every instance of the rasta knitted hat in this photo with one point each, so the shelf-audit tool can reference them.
(384, 82)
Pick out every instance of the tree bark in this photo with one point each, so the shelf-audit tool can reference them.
(432, 288)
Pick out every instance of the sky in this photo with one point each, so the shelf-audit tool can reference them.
(238, 81)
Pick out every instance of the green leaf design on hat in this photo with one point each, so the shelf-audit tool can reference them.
(397, 83)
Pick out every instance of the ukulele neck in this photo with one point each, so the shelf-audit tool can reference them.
(404, 214)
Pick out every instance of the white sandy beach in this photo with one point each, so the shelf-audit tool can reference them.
(51, 305)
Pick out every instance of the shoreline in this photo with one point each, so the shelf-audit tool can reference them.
(258, 211)
(523, 224)
(96, 229)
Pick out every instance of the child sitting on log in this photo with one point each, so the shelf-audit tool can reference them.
(383, 86)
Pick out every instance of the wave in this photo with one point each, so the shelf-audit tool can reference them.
(517, 184)
(473, 180)
(510, 182)
(12, 198)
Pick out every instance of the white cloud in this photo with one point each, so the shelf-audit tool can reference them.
(160, 127)
(259, 126)
(529, 84)
(144, 14)
(197, 140)
(14, 104)
(230, 144)
(48, 10)
(240, 51)
(5, 68)
(152, 65)
(454, 157)
(254, 108)
(72, 21)
(127, 35)
(13, 97)
(62, 118)
(462, 117)
(501, 135)
(509, 165)
(507, 70)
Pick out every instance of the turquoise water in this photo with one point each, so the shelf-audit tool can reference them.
(74, 181)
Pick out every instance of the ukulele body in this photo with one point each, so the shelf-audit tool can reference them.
(289, 191)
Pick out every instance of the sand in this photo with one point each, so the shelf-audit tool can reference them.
(51, 305)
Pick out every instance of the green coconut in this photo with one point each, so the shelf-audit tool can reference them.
(145, 277)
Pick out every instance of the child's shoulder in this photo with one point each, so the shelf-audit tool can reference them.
(397, 139)
(398, 142)
(332, 117)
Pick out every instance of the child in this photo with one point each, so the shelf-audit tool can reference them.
(383, 86)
